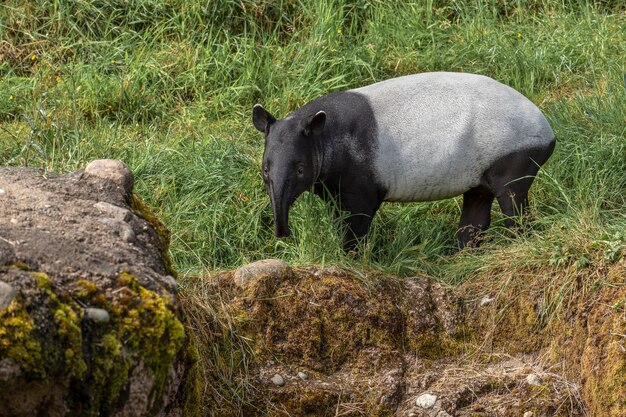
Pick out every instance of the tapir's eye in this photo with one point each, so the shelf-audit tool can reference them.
(300, 170)
(266, 171)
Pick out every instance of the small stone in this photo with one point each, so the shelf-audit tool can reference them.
(302, 375)
(426, 401)
(2, 191)
(534, 380)
(9, 370)
(486, 300)
(7, 294)
(113, 211)
(13, 221)
(121, 228)
(272, 267)
(112, 170)
(529, 414)
(170, 281)
(97, 315)
(128, 235)
(278, 380)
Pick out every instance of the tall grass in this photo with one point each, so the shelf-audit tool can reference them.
(167, 86)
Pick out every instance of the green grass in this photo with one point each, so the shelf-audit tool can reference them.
(168, 87)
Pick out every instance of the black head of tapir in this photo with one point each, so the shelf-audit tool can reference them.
(420, 137)
(290, 165)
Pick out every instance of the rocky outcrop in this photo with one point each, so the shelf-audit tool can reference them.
(376, 345)
(90, 322)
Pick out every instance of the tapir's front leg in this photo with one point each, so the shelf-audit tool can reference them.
(360, 209)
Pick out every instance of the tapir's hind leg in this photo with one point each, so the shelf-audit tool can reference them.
(511, 177)
(513, 200)
(475, 216)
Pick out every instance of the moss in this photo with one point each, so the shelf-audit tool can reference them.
(141, 209)
(98, 358)
(42, 280)
(437, 344)
(306, 402)
(85, 289)
(68, 327)
(312, 319)
(20, 265)
(18, 342)
(603, 364)
(192, 387)
(150, 331)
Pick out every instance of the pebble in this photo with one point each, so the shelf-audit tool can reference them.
(128, 235)
(486, 300)
(534, 380)
(171, 283)
(278, 380)
(123, 229)
(2, 191)
(116, 212)
(529, 414)
(269, 267)
(112, 170)
(302, 375)
(13, 221)
(97, 315)
(7, 294)
(426, 401)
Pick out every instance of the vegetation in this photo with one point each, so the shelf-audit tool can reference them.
(167, 87)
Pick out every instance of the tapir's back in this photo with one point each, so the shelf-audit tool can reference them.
(437, 133)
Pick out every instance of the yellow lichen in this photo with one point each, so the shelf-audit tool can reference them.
(17, 341)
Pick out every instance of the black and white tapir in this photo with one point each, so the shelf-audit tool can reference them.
(419, 137)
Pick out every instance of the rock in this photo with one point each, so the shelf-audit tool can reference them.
(9, 370)
(257, 270)
(113, 211)
(122, 229)
(302, 375)
(171, 283)
(534, 380)
(97, 315)
(2, 192)
(62, 352)
(486, 300)
(7, 294)
(112, 170)
(426, 401)
(529, 414)
(278, 380)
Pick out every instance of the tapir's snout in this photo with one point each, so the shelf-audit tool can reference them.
(281, 202)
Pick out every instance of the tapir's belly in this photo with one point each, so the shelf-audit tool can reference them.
(437, 133)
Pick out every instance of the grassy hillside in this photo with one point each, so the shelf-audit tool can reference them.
(168, 87)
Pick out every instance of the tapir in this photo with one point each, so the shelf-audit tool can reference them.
(421, 137)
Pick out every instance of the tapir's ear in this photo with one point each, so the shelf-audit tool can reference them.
(261, 118)
(315, 123)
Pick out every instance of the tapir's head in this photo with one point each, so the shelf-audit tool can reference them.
(290, 161)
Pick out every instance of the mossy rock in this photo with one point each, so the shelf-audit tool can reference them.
(79, 244)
